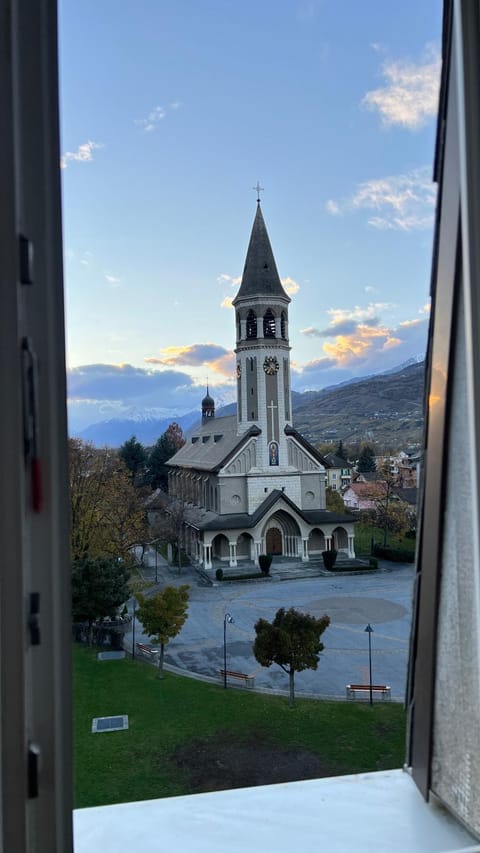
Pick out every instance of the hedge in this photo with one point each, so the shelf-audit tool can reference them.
(396, 555)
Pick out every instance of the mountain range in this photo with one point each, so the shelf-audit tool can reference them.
(386, 408)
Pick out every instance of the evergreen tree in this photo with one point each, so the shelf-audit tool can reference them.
(366, 460)
(165, 447)
(340, 452)
(134, 455)
(99, 587)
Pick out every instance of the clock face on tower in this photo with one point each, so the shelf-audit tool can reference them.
(270, 365)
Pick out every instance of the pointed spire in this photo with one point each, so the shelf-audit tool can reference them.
(260, 276)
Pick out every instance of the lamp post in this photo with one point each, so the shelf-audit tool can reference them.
(227, 618)
(369, 631)
(133, 626)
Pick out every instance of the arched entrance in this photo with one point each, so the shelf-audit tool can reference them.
(316, 541)
(244, 547)
(340, 539)
(273, 541)
(281, 535)
(220, 547)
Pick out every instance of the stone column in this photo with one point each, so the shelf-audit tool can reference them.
(258, 550)
(305, 556)
(207, 556)
(328, 543)
(351, 546)
(233, 554)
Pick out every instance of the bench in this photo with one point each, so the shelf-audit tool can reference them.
(147, 650)
(241, 676)
(384, 690)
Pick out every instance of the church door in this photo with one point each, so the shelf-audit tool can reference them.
(274, 541)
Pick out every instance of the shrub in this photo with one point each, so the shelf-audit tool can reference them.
(373, 563)
(265, 561)
(329, 558)
(219, 574)
(396, 555)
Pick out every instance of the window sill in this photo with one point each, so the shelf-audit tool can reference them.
(361, 813)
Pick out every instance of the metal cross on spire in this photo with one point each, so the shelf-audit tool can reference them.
(258, 189)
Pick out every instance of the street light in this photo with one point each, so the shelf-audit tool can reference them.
(227, 618)
(133, 626)
(369, 631)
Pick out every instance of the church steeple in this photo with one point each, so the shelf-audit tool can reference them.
(260, 276)
(263, 351)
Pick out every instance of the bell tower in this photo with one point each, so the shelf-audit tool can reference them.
(263, 350)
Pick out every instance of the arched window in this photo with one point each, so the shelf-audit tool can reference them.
(283, 324)
(239, 328)
(268, 325)
(251, 324)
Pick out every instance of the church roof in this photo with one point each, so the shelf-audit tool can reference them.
(212, 521)
(260, 276)
(209, 447)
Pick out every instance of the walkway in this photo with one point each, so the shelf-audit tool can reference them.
(383, 599)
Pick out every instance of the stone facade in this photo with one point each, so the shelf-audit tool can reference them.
(255, 485)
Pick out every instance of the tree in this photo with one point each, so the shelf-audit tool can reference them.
(390, 516)
(99, 587)
(169, 525)
(292, 641)
(106, 510)
(165, 447)
(163, 615)
(334, 500)
(366, 460)
(134, 456)
(340, 452)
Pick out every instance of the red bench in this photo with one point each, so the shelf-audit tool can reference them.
(383, 689)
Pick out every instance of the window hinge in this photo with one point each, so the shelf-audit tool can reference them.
(33, 762)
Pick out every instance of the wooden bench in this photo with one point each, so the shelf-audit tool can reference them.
(241, 676)
(147, 650)
(384, 690)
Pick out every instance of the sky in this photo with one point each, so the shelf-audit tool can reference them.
(171, 111)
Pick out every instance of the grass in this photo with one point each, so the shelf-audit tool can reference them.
(163, 715)
(365, 532)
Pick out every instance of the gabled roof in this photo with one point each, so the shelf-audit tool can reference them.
(210, 446)
(335, 461)
(212, 521)
(260, 276)
(408, 495)
(290, 430)
(369, 491)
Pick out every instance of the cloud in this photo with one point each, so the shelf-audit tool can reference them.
(332, 207)
(425, 309)
(113, 280)
(370, 289)
(97, 392)
(410, 95)
(358, 349)
(83, 154)
(403, 202)
(227, 302)
(216, 358)
(290, 285)
(345, 320)
(231, 280)
(154, 117)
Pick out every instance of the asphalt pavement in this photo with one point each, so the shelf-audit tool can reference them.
(382, 600)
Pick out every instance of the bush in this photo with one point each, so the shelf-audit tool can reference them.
(373, 563)
(396, 555)
(246, 577)
(329, 558)
(265, 561)
(219, 574)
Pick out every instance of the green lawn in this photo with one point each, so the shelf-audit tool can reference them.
(164, 715)
(365, 532)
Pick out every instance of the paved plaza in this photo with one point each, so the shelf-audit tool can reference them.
(352, 601)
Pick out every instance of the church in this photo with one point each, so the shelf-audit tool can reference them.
(253, 485)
